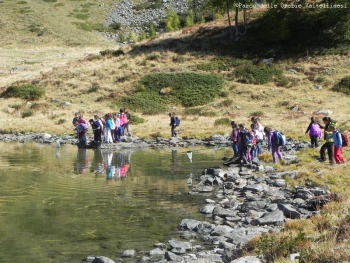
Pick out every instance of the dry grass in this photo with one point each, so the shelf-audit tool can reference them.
(70, 78)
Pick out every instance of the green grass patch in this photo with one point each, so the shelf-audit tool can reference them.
(22, 2)
(343, 86)
(89, 26)
(226, 103)
(190, 89)
(257, 114)
(60, 121)
(141, 104)
(50, 1)
(222, 121)
(135, 120)
(27, 113)
(25, 92)
(113, 53)
(59, 4)
(256, 74)
(222, 64)
(81, 16)
(199, 111)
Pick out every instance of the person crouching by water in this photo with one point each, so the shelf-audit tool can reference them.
(82, 129)
(272, 144)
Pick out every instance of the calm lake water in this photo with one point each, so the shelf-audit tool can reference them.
(63, 204)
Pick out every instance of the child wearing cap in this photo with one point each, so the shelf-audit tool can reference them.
(338, 157)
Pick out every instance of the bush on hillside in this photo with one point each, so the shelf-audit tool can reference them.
(144, 105)
(222, 64)
(136, 119)
(222, 121)
(256, 74)
(343, 85)
(190, 89)
(25, 92)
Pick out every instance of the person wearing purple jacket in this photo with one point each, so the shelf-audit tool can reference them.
(272, 144)
(315, 132)
(82, 129)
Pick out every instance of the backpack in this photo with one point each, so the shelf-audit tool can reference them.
(247, 139)
(344, 139)
(113, 125)
(279, 138)
(315, 130)
(177, 121)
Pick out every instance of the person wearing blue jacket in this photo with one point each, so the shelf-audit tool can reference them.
(338, 157)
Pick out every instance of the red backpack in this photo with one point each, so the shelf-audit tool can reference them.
(345, 139)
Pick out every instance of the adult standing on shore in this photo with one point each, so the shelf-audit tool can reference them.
(328, 145)
(127, 125)
(173, 125)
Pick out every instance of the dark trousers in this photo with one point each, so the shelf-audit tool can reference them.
(314, 141)
(329, 147)
(97, 135)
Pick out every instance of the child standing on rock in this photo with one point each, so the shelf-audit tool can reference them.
(315, 132)
(338, 157)
(272, 144)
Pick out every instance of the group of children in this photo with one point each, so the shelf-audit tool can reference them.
(107, 129)
(333, 139)
(247, 144)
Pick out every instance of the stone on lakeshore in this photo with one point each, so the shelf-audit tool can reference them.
(129, 253)
(248, 259)
(189, 224)
(173, 257)
(212, 257)
(145, 259)
(219, 211)
(255, 205)
(221, 230)
(203, 189)
(160, 245)
(257, 188)
(173, 141)
(175, 244)
(269, 218)
(209, 201)
(99, 259)
(279, 183)
(157, 252)
(303, 193)
(283, 175)
(207, 209)
(289, 211)
(269, 169)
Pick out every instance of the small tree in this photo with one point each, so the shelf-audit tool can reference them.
(132, 37)
(121, 38)
(142, 36)
(189, 19)
(152, 31)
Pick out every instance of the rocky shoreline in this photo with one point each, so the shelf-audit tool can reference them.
(241, 202)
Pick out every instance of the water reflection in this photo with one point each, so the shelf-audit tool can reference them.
(115, 165)
(81, 165)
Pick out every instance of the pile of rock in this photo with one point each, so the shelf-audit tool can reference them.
(241, 204)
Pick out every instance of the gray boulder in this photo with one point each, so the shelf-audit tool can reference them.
(289, 211)
(129, 253)
(269, 218)
(249, 259)
(173, 257)
(207, 209)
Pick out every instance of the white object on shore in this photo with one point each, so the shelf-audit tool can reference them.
(189, 155)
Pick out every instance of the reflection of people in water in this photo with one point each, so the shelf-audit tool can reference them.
(97, 162)
(110, 169)
(173, 159)
(82, 161)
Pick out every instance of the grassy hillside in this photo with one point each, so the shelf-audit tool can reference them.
(48, 50)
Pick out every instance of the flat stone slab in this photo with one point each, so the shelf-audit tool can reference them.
(269, 218)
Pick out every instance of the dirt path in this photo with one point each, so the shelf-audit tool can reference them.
(27, 63)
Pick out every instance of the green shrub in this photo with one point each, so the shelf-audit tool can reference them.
(179, 59)
(15, 106)
(172, 22)
(132, 37)
(257, 114)
(222, 64)
(25, 92)
(273, 247)
(27, 113)
(256, 74)
(141, 104)
(199, 111)
(142, 36)
(152, 31)
(226, 103)
(61, 121)
(208, 113)
(190, 89)
(109, 52)
(137, 120)
(81, 16)
(343, 86)
(224, 94)
(282, 81)
(284, 103)
(222, 121)
(25, 2)
(153, 57)
(122, 38)
(115, 26)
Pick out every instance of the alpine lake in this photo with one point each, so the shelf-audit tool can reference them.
(62, 204)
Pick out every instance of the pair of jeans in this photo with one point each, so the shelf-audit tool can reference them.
(254, 151)
(258, 146)
(173, 131)
(235, 149)
(329, 147)
(117, 134)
